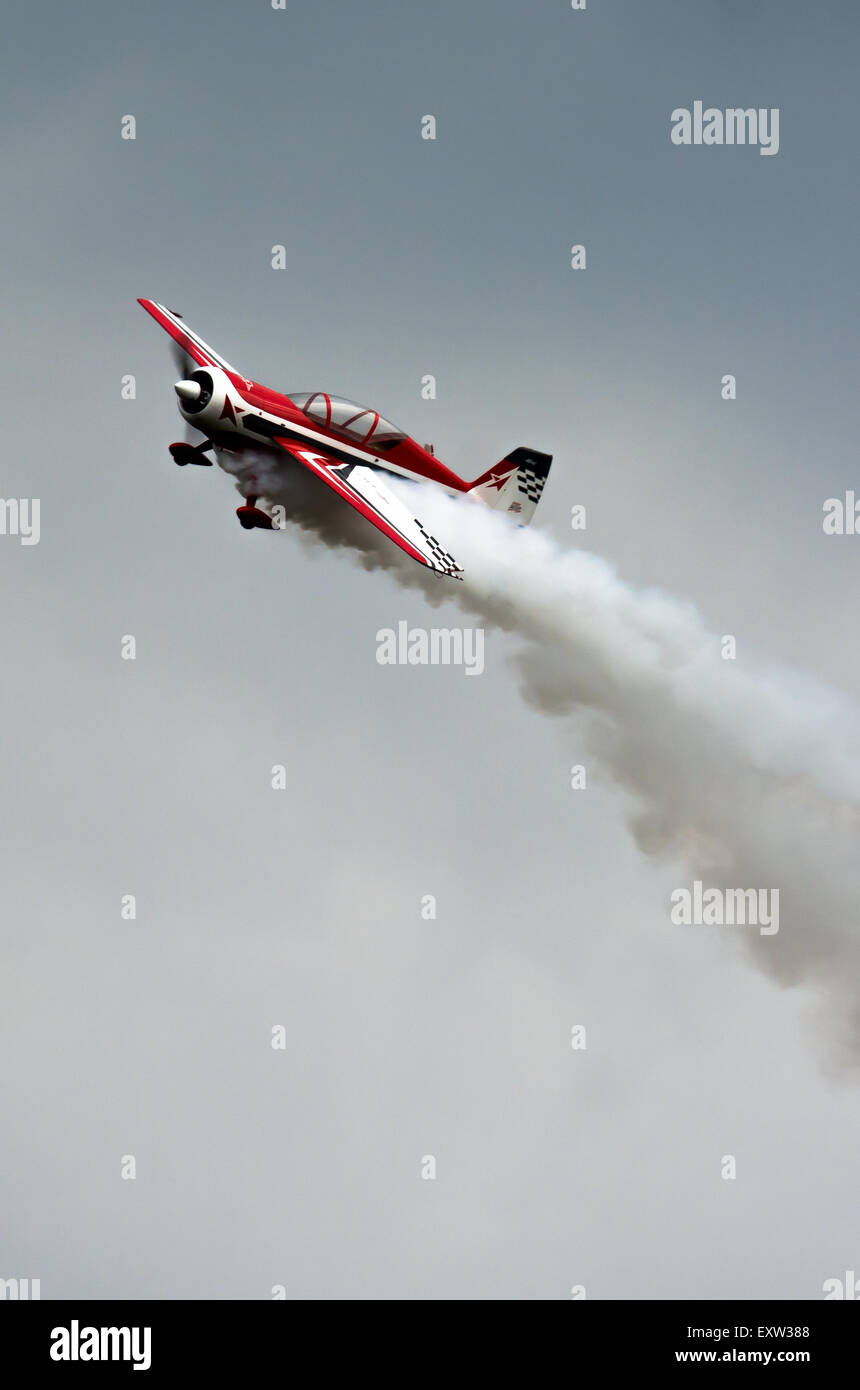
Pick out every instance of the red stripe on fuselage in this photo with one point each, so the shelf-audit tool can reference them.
(407, 454)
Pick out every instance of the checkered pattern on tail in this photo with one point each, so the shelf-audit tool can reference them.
(530, 483)
(442, 561)
(515, 485)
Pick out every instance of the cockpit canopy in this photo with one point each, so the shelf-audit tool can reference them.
(356, 422)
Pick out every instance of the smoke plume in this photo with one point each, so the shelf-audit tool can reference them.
(749, 776)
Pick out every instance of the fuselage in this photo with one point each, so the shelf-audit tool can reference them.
(238, 414)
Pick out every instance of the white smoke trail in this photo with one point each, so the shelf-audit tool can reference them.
(750, 775)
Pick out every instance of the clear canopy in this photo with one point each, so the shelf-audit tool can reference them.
(357, 422)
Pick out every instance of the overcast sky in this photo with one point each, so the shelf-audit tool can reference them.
(405, 1037)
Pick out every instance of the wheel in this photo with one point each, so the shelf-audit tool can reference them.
(252, 517)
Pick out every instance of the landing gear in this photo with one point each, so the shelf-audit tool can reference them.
(250, 516)
(189, 453)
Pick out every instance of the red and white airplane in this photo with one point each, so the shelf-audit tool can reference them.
(345, 445)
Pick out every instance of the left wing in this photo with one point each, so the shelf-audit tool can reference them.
(363, 490)
(188, 340)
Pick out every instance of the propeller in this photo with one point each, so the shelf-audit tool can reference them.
(184, 365)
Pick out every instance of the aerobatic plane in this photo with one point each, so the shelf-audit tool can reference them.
(349, 447)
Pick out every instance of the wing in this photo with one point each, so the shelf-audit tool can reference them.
(188, 340)
(362, 489)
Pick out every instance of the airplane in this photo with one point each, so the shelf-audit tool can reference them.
(346, 445)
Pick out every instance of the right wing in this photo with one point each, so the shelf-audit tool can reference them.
(363, 490)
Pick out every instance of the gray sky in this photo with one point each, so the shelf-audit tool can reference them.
(255, 908)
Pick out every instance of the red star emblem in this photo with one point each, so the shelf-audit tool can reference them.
(498, 480)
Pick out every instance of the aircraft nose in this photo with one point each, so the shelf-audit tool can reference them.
(187, 390)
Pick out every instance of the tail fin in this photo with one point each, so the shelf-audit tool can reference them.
(514, 485)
